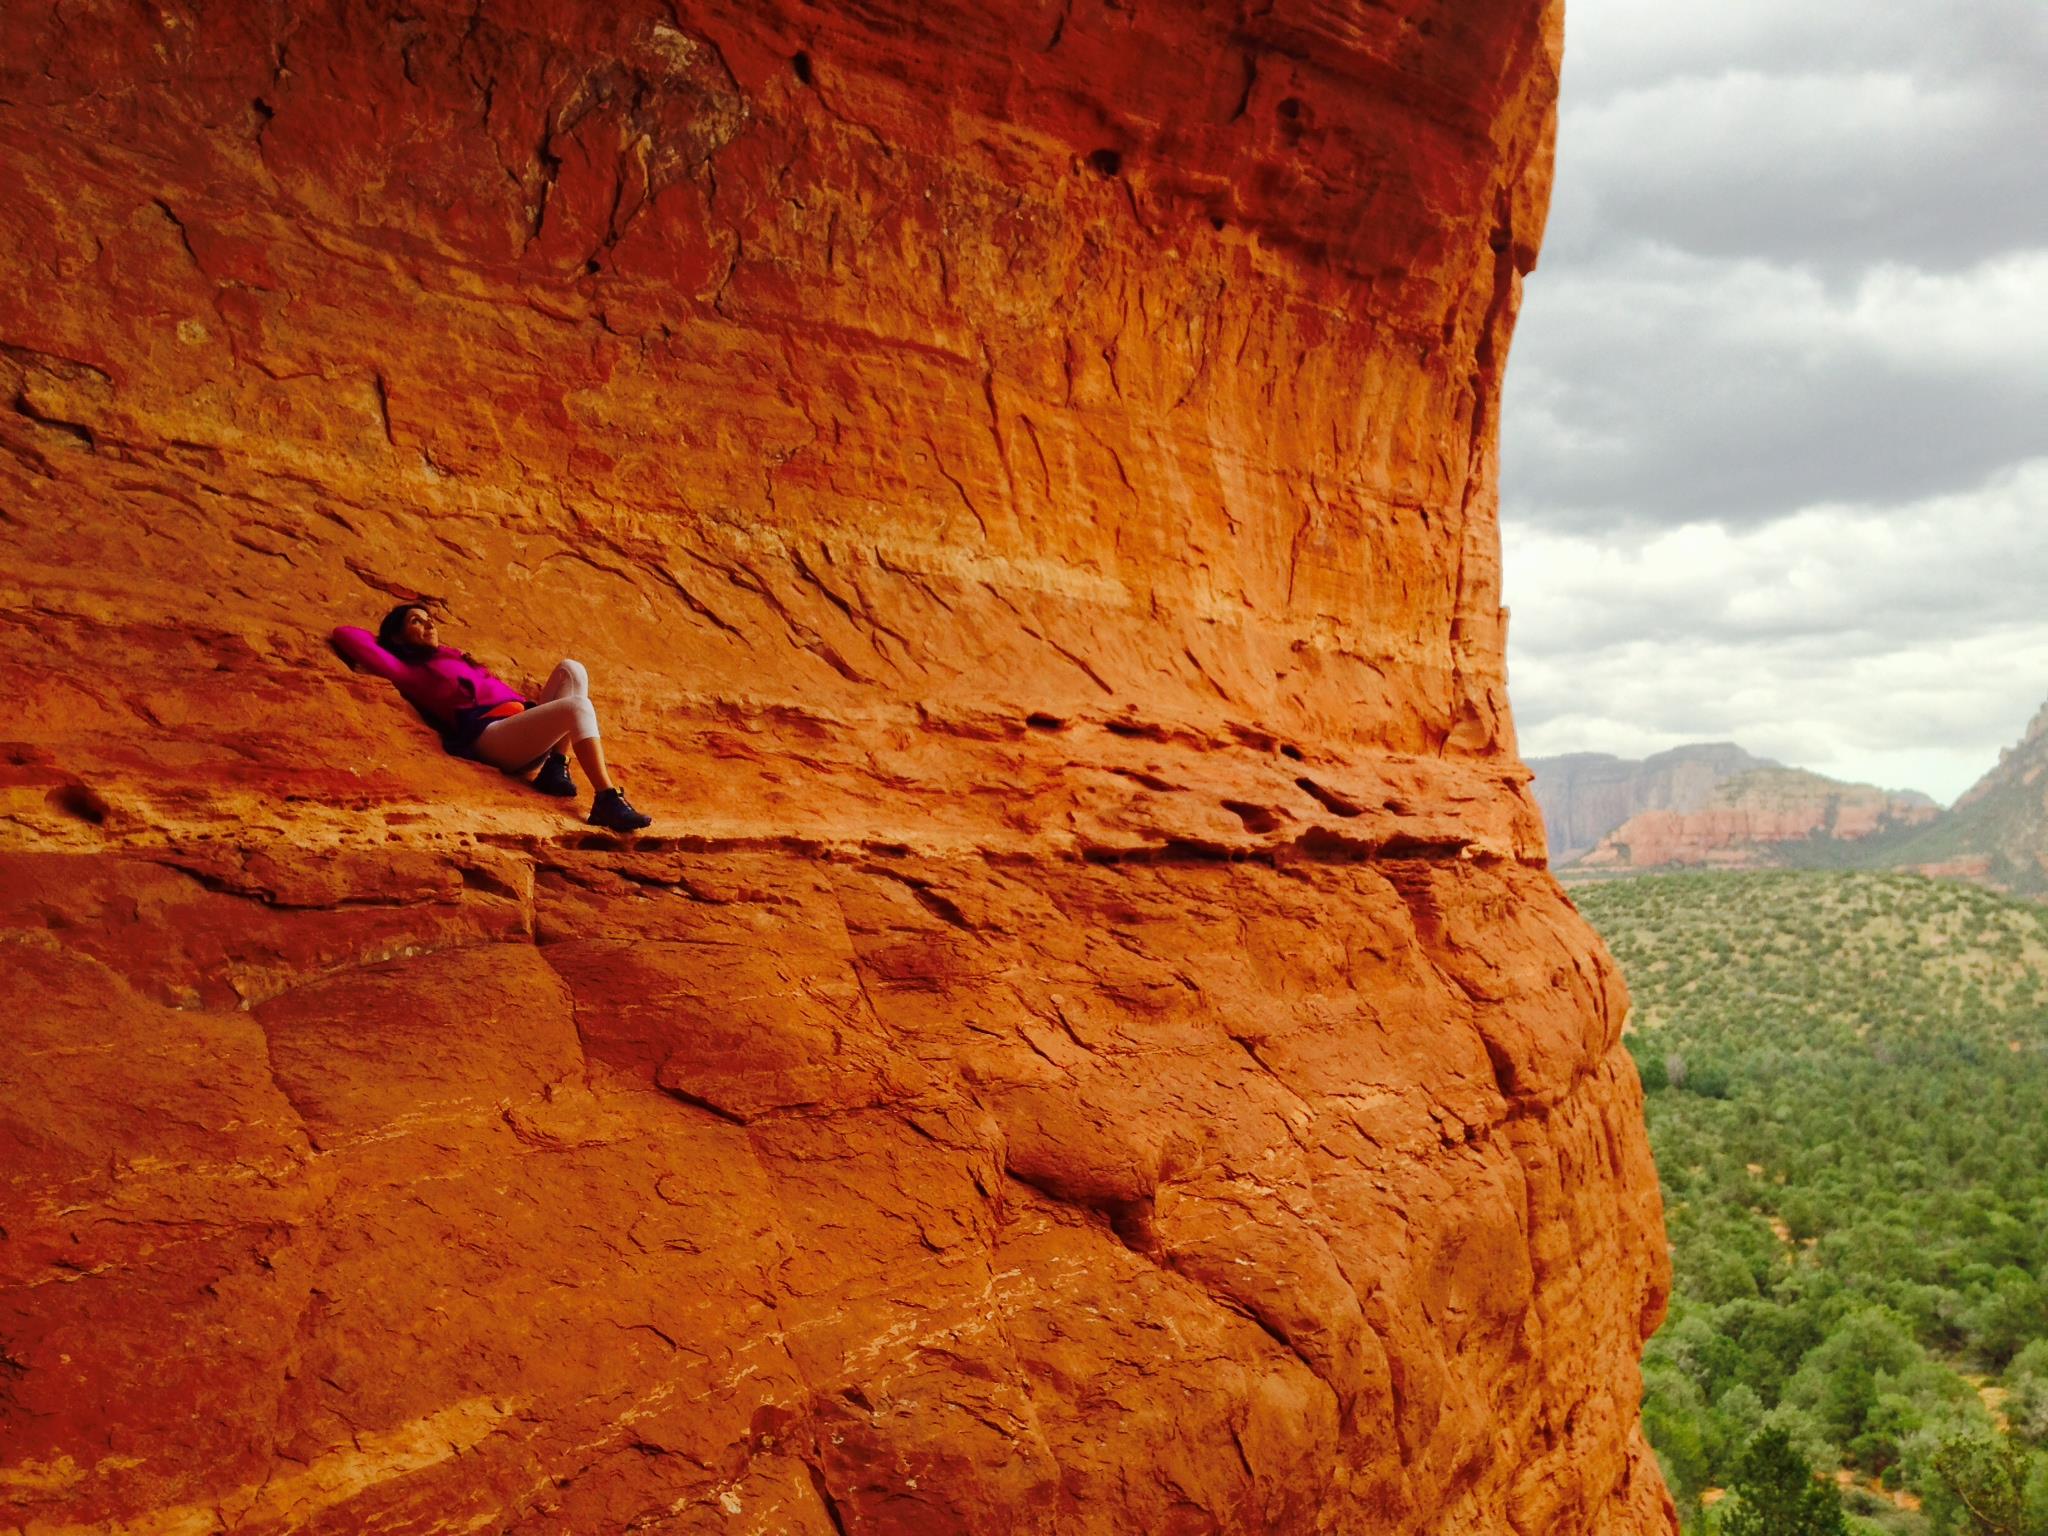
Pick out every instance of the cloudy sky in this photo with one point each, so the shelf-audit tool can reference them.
(1775, 444)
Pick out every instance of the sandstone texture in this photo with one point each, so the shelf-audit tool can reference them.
(1586, 795)
(1765, 818)
(1091, 1043)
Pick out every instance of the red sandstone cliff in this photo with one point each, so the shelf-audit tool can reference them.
(1092, 1045)
(1761, 819)
(1586, 795)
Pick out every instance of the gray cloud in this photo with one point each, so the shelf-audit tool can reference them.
(1826, 168)
(1614, 46)
(1649, 386)
(1839, 580)
(1770, 224)
(1775, 441)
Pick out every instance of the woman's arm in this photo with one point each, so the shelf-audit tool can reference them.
(359, 648)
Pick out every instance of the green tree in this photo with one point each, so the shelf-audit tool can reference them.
(2027, 1407)
(2002, 1491)
(1840, 1379)
(2011, 1316)
(1650, 1066)
(1673, 1419)
(1778, 1495)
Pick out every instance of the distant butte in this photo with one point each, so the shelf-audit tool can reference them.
(1584, 796)
(1759, 816)
(1717, 807)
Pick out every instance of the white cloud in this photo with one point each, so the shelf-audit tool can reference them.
(1897, 646)
(1992, 319)
(1776, 421)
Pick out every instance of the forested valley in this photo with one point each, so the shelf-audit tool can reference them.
(1846, 1081)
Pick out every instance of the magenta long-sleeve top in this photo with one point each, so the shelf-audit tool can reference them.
(440, 688)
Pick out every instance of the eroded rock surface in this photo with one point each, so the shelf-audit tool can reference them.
(1091, 1044)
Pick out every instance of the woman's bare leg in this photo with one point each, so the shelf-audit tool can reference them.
(563, 714)
(520, 739)
(570, 680)
(590, 753)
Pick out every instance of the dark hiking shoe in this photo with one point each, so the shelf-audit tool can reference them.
(612, 811)
(553, 778)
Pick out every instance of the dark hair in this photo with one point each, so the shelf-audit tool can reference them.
(391, 633)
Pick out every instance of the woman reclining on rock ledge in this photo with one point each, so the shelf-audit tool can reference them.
(481, 717)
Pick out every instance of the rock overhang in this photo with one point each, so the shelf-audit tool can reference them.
(1091, 1037)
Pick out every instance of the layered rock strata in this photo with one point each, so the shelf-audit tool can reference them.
(1765, 818)
(1586, 795)
(1091, 1044)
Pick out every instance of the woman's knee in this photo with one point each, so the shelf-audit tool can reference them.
(583, 717)
(575, 672)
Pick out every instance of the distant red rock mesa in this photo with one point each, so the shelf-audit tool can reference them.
(1586, 795)
(1758, 819)
(1090, 1044)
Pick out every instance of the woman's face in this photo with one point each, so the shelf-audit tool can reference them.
(419, 628)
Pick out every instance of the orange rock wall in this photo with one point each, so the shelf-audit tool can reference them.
(1090, 1044)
